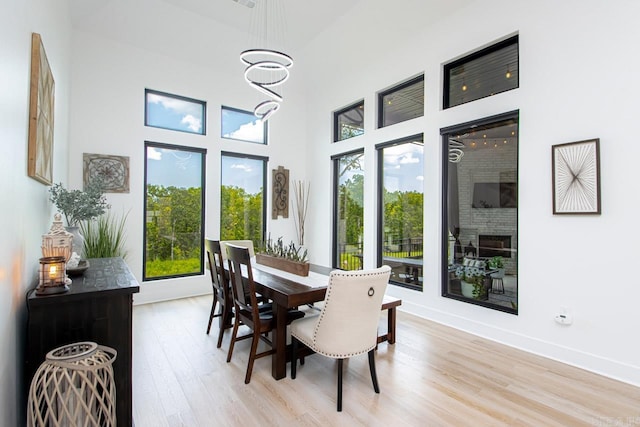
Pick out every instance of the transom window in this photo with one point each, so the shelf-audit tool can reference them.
(174, 112)
(484, 73)
(348, 122)
(402, 102)
(243, 126)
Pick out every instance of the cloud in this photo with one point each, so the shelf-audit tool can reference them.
(154, 154)
(420, 178)
(248, 132)
(245, 168)
(192, 123)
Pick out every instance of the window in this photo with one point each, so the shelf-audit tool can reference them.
(401, 195)
(242, 198)
(348, 122)
(348, 223)
(400, 103)
(173, 112)
(484, 73)
(243, 126)
(480, 218)
(174, 211)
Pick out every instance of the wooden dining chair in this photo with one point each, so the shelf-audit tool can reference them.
(348, 323)
(248, 311)
(221, 289)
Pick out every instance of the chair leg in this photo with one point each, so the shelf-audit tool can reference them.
(340, 384)
(234, 334)
(224, 318)
(372, 368)
(294, 356)
(213, 309)
(252, 356)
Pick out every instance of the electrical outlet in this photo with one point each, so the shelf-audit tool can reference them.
(564, 318)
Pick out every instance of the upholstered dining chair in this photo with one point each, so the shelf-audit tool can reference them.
(247, 309)
(348, 323)
(221, 289)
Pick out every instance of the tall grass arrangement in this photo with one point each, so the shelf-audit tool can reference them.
(105, 237)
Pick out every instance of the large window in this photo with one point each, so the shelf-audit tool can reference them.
(480, 216)
(401, 198)
(242, 197)
(348, 224)
(243, 126)
(484, 73)
(174, 112)
(348, 122)
(174, 211)
(402, 102)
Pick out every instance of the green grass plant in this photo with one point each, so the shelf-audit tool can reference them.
(104, 237)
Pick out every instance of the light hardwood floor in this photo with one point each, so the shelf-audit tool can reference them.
(432, 376)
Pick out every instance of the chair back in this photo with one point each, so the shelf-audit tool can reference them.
(243, 243)
(214, 259)
(242, 288)
(348, 323)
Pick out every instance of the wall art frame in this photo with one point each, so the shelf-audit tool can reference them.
(112, 170)
(280, 192)
(576, 178)
(41, 114)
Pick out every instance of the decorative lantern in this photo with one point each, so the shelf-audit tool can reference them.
(52, 274)
(57, 243)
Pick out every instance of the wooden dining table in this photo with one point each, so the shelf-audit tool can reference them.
(285, 293)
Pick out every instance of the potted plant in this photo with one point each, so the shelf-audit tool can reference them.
(78, 206)
(104, 236)
(284, 257)
(497, 265)
(472, 285)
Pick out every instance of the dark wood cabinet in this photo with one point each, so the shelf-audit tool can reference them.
(98, 308)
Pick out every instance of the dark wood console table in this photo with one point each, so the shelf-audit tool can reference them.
(98, 307)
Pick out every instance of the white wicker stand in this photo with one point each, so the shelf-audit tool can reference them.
(74, 386)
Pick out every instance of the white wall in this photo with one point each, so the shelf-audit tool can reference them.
(109, 78)
(576, 83)
(26, 213)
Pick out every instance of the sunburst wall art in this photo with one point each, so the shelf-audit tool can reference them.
(576, 177)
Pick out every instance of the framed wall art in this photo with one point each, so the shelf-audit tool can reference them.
(41, 106)
(113, 170)
(576, 177)
(280, 193)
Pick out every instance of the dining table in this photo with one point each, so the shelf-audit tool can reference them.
(287, 291)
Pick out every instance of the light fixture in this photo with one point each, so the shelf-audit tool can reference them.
(58, 242)
(508, 74)
(455, 151)
(52, 275)
(267, 67)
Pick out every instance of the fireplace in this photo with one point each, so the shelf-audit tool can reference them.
(490, 245)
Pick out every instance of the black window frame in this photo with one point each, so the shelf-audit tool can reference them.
(336, 127)
(203, 104)
(393, 89)
(265, 160)
(513, 40)
(380, 205)
(203, 152)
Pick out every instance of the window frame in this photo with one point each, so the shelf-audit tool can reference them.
(336, 114)
(265, 126)
(380, 202)
(397, 88)
(202, 104)
(265, 161)
(513, 40)
(203, 153)
(335, 159)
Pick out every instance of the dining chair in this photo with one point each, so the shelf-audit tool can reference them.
(221, 289)
(348, 323)
(244, 243)
(247, 309)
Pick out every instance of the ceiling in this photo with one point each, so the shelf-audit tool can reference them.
(304, 19)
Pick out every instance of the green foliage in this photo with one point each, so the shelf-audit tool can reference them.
(104, 237)
(241, 215)
(161, 268)
(173, 228)
(278, 249)
(496, 262)
(78, 205)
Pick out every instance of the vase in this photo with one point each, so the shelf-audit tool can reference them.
(466, 288)
(78, 240)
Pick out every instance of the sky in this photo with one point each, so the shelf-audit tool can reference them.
(174, 167)
(404, 167)
(242, 172)
(177, 114)
(242, 125)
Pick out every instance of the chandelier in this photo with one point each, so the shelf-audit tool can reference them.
(267, 66)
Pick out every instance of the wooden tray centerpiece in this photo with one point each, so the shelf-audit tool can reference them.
(289, 258)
